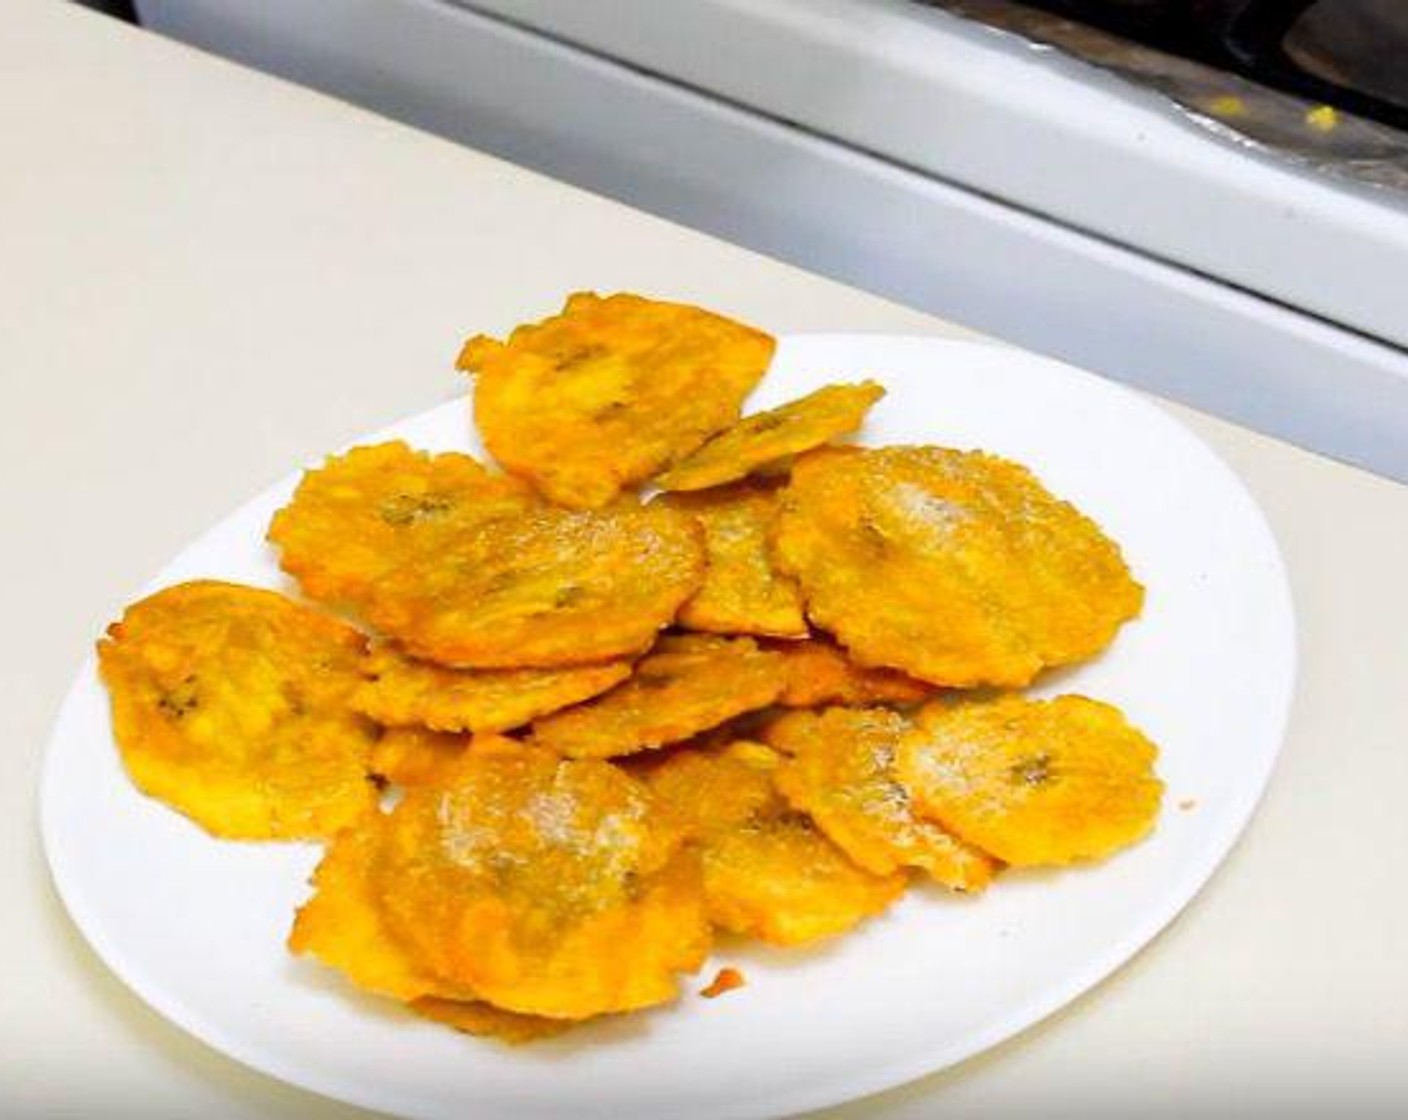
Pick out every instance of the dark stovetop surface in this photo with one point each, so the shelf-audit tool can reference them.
(1352, 54)
(1320, 83)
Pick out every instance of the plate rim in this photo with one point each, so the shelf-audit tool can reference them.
(1097, 969)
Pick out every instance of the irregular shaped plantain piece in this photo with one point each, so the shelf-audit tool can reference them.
(1035, 782)
(955, 567)
(818, 672)
(415, 756)
(544, 589)
(768, 872)
(546, 886)
(604, 394)
(342, 923)
(402, 692)
(842, 772)
(487, 1021)
(230, 703)
(761, 441)
(362, 514)
(742, 592)
(687, 684)
(343, 927)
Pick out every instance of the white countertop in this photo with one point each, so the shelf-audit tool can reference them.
(208, 277)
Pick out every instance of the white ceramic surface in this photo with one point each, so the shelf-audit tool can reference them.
(196, 926)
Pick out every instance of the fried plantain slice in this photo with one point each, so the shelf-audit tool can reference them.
(342, 924)
(818, 672)
(604, 394)
(760, 441)
(842, 772)
(546, 886)
(742, 592)
(687, 684)
(544, 589)
(415, 756)
(1035, 782)
(402, 692)
(229, 703)
(956, 567)
(362, 514)
(768, 872)
(487, 1021)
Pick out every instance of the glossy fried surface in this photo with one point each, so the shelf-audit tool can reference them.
(342, 923)
(402, 692)
(768, 872)
(687, 684)
(743, 593)
(956, 567)
(416, 756)
(841, 770)
(362, 514)
(1034, 782)
(484, 1020)
(756, 442)
(818, 672)
(544, 589)
(604, 394)
(229, 703)
(546, 886)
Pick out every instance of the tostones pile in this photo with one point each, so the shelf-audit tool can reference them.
(557, 730)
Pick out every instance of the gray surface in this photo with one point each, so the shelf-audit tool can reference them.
(844, 212)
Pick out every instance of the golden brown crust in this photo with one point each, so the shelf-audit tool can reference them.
(365, 513)
(545, 886)
(760, 441)
(342, 925)
(604, 394)
(1034, 782)
(956, 567)
(484, 1020)
(230, 704)
(687, 684)
(842, 772)
(818, 672)
(544, 589)
(402, 692)
(768, 872)
(743, 593)
(415, 756)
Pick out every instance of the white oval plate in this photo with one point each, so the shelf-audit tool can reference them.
(196, 926)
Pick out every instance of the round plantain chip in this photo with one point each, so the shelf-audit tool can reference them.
(544, 589)
(230, 703)
(742, 592)
(955, 567)
(1035, 782)
(842, 772)
(687, 684)
(360, 515)
(343, 927)
(402, 692)
(546, 886)
(768, 872)
(759, 442)
(604, 394)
